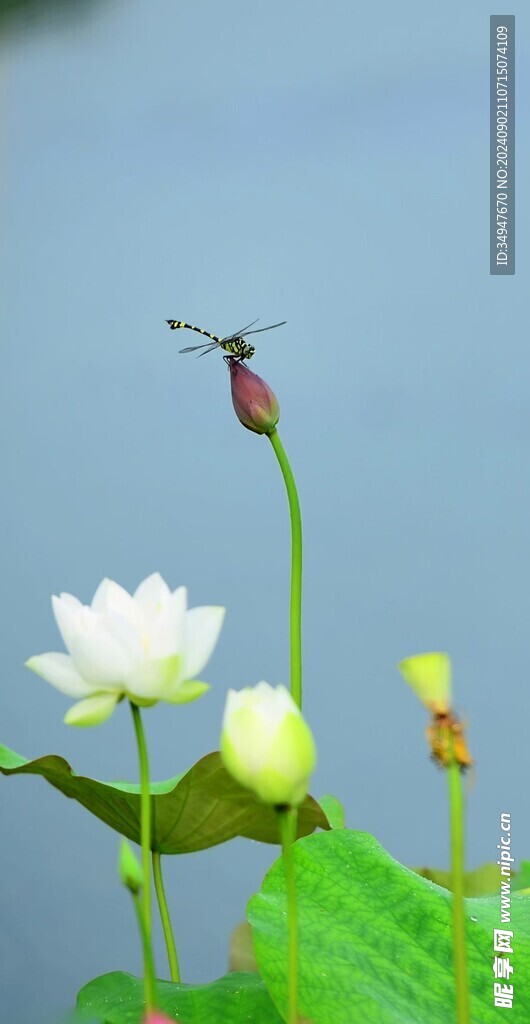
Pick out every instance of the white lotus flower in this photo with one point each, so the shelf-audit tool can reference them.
(147, 647)
(267, 745)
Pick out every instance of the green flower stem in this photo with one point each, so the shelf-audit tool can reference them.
(165, 918)
(296, 568)
(149, 966)
(456, 812)
(287, 822)
(145, 829)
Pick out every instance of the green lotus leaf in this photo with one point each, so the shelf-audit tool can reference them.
(333, 810)
(483, 881)
(235, 999)
(193, 811)
(376, 939)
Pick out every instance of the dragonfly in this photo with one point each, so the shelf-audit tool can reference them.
(234, 344)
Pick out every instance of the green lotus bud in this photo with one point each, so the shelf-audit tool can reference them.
(429, 675)
(267, 745)
(130, 869)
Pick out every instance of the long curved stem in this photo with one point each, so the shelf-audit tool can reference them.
(165, 918)
(147, 950)
(456, 812)
(295, 616)
(145, 829)
(287, 821)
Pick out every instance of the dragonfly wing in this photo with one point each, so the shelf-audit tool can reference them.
(260, 329)
(237, 334)
(209, 348)
(194, 348)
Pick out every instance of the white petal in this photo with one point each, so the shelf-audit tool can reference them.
(67, 611)
(99, 657)
(92, 711)
(127, 635)
(166, 628)
(246, 732)
(110, 597)
(235, 700)
(151, 594)
(154, 678)
(59, 670)
(203, 626)
(278, 702)
(71, 601)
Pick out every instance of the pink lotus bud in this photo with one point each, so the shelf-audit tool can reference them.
(158, 1018)
(255, 404)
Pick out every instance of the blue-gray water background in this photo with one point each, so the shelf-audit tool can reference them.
(219, 162)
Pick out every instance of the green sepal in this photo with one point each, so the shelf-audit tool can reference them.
(188, 691)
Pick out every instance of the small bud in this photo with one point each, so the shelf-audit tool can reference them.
(255, 404)
(429, 675)
(266, 744)
(129, 869)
